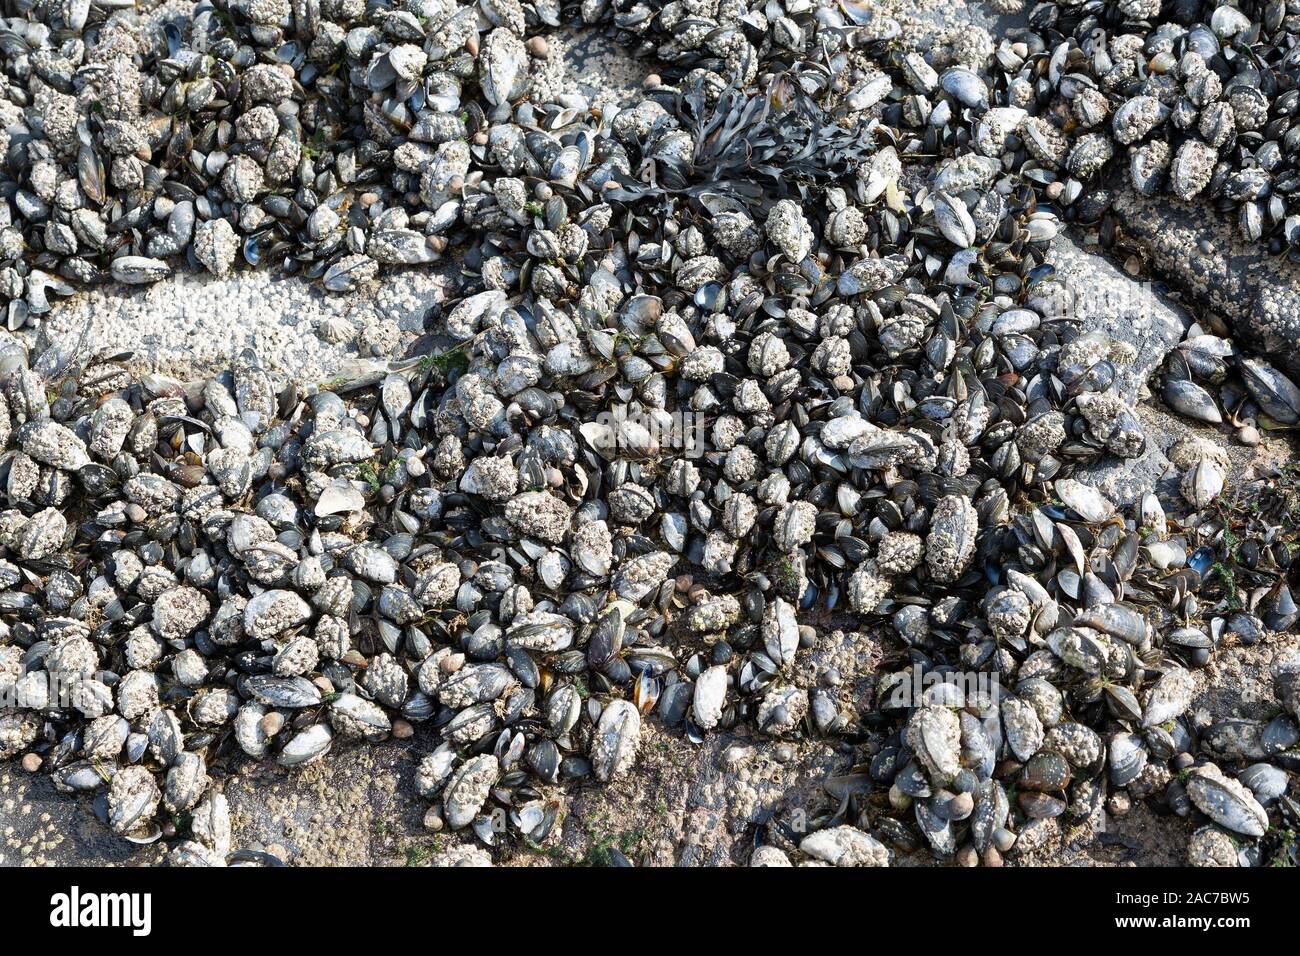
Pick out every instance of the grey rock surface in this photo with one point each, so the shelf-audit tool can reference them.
(1104, 299)
(1198, 251)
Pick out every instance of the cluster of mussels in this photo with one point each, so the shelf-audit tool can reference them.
(512, 539)
(1195, 99)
